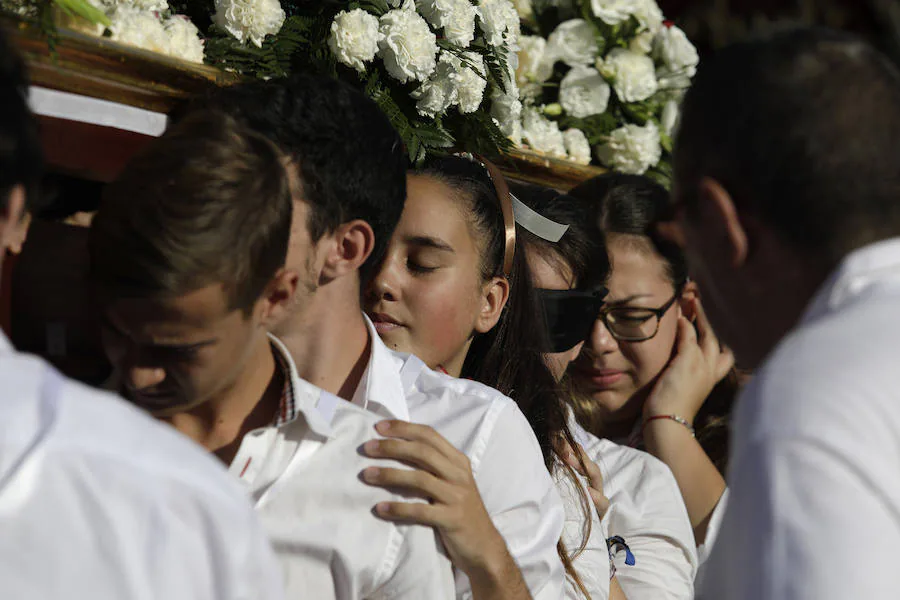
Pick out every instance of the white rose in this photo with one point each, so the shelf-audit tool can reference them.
(633, 75)
(613, 12)
(408, 47)
(455, 17)
(184, 39)
(354, 38)
(669, 118)
(673, 82)
(577, 146)
(524, 8)
(249, 19)
(506, 112)
(631, 149)
(471, 82)
(648, 14)
(583, 92)
(499, 22)
(672, 47)
(642, 43)
(138, 28)
(542, 135)
(535, 66)
(441, 90)
(574, 42)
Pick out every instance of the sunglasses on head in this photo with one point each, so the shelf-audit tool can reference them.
(570, 315)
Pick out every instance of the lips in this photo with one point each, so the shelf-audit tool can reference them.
(385, 323)
(602, 378)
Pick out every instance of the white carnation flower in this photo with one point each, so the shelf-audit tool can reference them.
(642, 43)
(633, 75)
(573, 42)
(673, 82)
(249, 19)
(506, 112)
(648, 14)
(354, 38)
(613, 12)
(184, 39)
(583, 92)
(138, 28)
(631, 149)
(669, 118)
(524, 8)
(542, 135)
(499, 22)
(471, 82)
(535, 65)
(672, 47)
(455, 17)
(147, 5)
(577, 146)
(408, 47)
(441, 90)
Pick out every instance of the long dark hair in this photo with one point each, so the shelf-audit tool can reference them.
(509, 357)
(634, 205)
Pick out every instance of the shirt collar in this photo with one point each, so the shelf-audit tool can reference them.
(859, 269)
(381, 388)
(299, 396)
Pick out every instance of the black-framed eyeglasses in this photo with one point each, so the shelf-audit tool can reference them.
(570, 315)
(632, 324)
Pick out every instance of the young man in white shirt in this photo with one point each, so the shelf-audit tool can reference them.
(97, 500)
(500, 516)
(187, 258)
(787, 185)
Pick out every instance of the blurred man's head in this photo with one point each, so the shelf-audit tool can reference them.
(350, 161)
(187, 259)
(785, 161)
(20, 151)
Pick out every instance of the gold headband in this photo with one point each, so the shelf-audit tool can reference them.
(509, 219)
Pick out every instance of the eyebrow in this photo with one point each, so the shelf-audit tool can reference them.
(429, 242)
(177, 348)
(628, 299)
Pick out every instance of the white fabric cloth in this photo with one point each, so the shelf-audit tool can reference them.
(506, 460)
(304, 478)
(712, 532)
(99, 501)
(592, 562)
(647, 510)
(814, 507)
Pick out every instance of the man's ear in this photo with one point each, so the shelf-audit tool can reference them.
(494, 297)
(278, 297)
(350, 245)
(718, 205)
(13, 227)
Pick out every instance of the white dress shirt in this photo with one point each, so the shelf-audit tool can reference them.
(506, 461)
(303, 473)
(647, 510)
(99, 501)
(586, 548)
(814, 507)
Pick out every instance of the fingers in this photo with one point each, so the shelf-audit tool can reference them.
(725, 363)
(685, 336)
(424, 434)
(417, 454)
(592, 470)
(706, 337)
(417, 513)
(418, 483)
(601, 502)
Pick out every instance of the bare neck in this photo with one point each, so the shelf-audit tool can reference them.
(329, 340)
(250, 402)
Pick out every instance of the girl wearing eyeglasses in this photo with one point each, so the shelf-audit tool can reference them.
(651, 359)
(645, 509)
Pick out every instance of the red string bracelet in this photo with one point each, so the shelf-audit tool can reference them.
(675, 418)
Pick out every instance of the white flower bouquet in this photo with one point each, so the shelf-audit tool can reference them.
(607, 73)
(442, 70)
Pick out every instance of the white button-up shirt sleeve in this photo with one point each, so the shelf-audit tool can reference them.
(814, 506)
(522, 500)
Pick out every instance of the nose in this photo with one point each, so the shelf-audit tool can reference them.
(601, 340)
(385, 285)
(142, 378)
